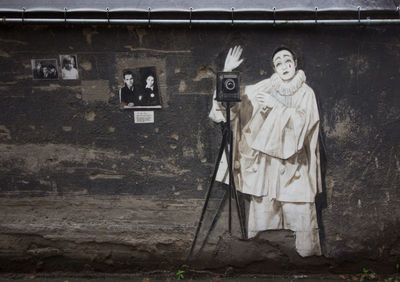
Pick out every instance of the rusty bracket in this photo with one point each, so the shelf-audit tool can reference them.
(274, 14)
(23, 14)
(190, 18)
(108, 15)
(149, 17)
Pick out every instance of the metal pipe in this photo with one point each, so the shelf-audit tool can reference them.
(228, 9)
(202, 22)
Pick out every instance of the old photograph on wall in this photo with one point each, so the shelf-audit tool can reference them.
(140, 89)
(44, 69)
(69, 67)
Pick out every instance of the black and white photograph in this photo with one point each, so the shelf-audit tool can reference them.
(69, 67)
(44, 69)
(140, 90)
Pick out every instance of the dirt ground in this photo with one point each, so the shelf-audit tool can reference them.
(67, 277)
(149, 278)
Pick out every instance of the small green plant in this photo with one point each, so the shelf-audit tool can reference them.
(396, 276)
(367, 274)
(391, 279)
(179, 274)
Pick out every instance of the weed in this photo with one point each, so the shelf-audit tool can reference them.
(179, 274)
(367, 274)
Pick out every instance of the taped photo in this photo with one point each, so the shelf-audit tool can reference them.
(140, 90)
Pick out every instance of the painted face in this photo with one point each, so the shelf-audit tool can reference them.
(128, 79)
(150, 81)
(284, 64)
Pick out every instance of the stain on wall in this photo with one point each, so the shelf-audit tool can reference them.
(95, 90)
(78, 174)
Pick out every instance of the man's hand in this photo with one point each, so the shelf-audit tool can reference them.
(266, 100)
(233, 60)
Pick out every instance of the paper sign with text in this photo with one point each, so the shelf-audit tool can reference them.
(144, 116)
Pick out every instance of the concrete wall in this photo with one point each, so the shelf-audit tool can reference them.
(82, 187)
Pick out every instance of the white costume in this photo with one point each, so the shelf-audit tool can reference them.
(277, 159)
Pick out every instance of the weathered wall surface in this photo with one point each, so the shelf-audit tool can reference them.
(84, 187)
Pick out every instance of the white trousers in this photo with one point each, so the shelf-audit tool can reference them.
(268, 214)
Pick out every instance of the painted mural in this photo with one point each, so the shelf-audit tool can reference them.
(276, 158)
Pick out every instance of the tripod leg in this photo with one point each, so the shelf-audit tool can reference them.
(230, 203)
(239, 211)
(220, 206)
(232, 189)
(228, 152)
(221, 150)
(229, 156)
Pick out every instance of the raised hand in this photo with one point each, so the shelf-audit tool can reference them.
(233, 60)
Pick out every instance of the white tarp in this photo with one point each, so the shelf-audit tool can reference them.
(197, 6)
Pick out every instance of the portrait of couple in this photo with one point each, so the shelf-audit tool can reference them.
(140, 90)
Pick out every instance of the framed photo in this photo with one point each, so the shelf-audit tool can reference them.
(44, 69)
(140, 90)
(69, 67)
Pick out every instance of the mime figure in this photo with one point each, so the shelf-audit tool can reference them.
(276, 158)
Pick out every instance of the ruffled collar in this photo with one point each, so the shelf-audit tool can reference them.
(288, 88)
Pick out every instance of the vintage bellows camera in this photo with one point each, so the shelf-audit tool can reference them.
(228, 89)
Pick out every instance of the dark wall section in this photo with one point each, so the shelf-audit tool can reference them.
(76, 168)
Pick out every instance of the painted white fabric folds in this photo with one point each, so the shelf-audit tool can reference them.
(277, 153)
(276, 157)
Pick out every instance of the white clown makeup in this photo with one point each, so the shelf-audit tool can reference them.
(284, 64)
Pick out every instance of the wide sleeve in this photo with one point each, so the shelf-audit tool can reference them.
(285, 129)
(218, 111)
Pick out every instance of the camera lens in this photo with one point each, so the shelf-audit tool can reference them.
(230, 84)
